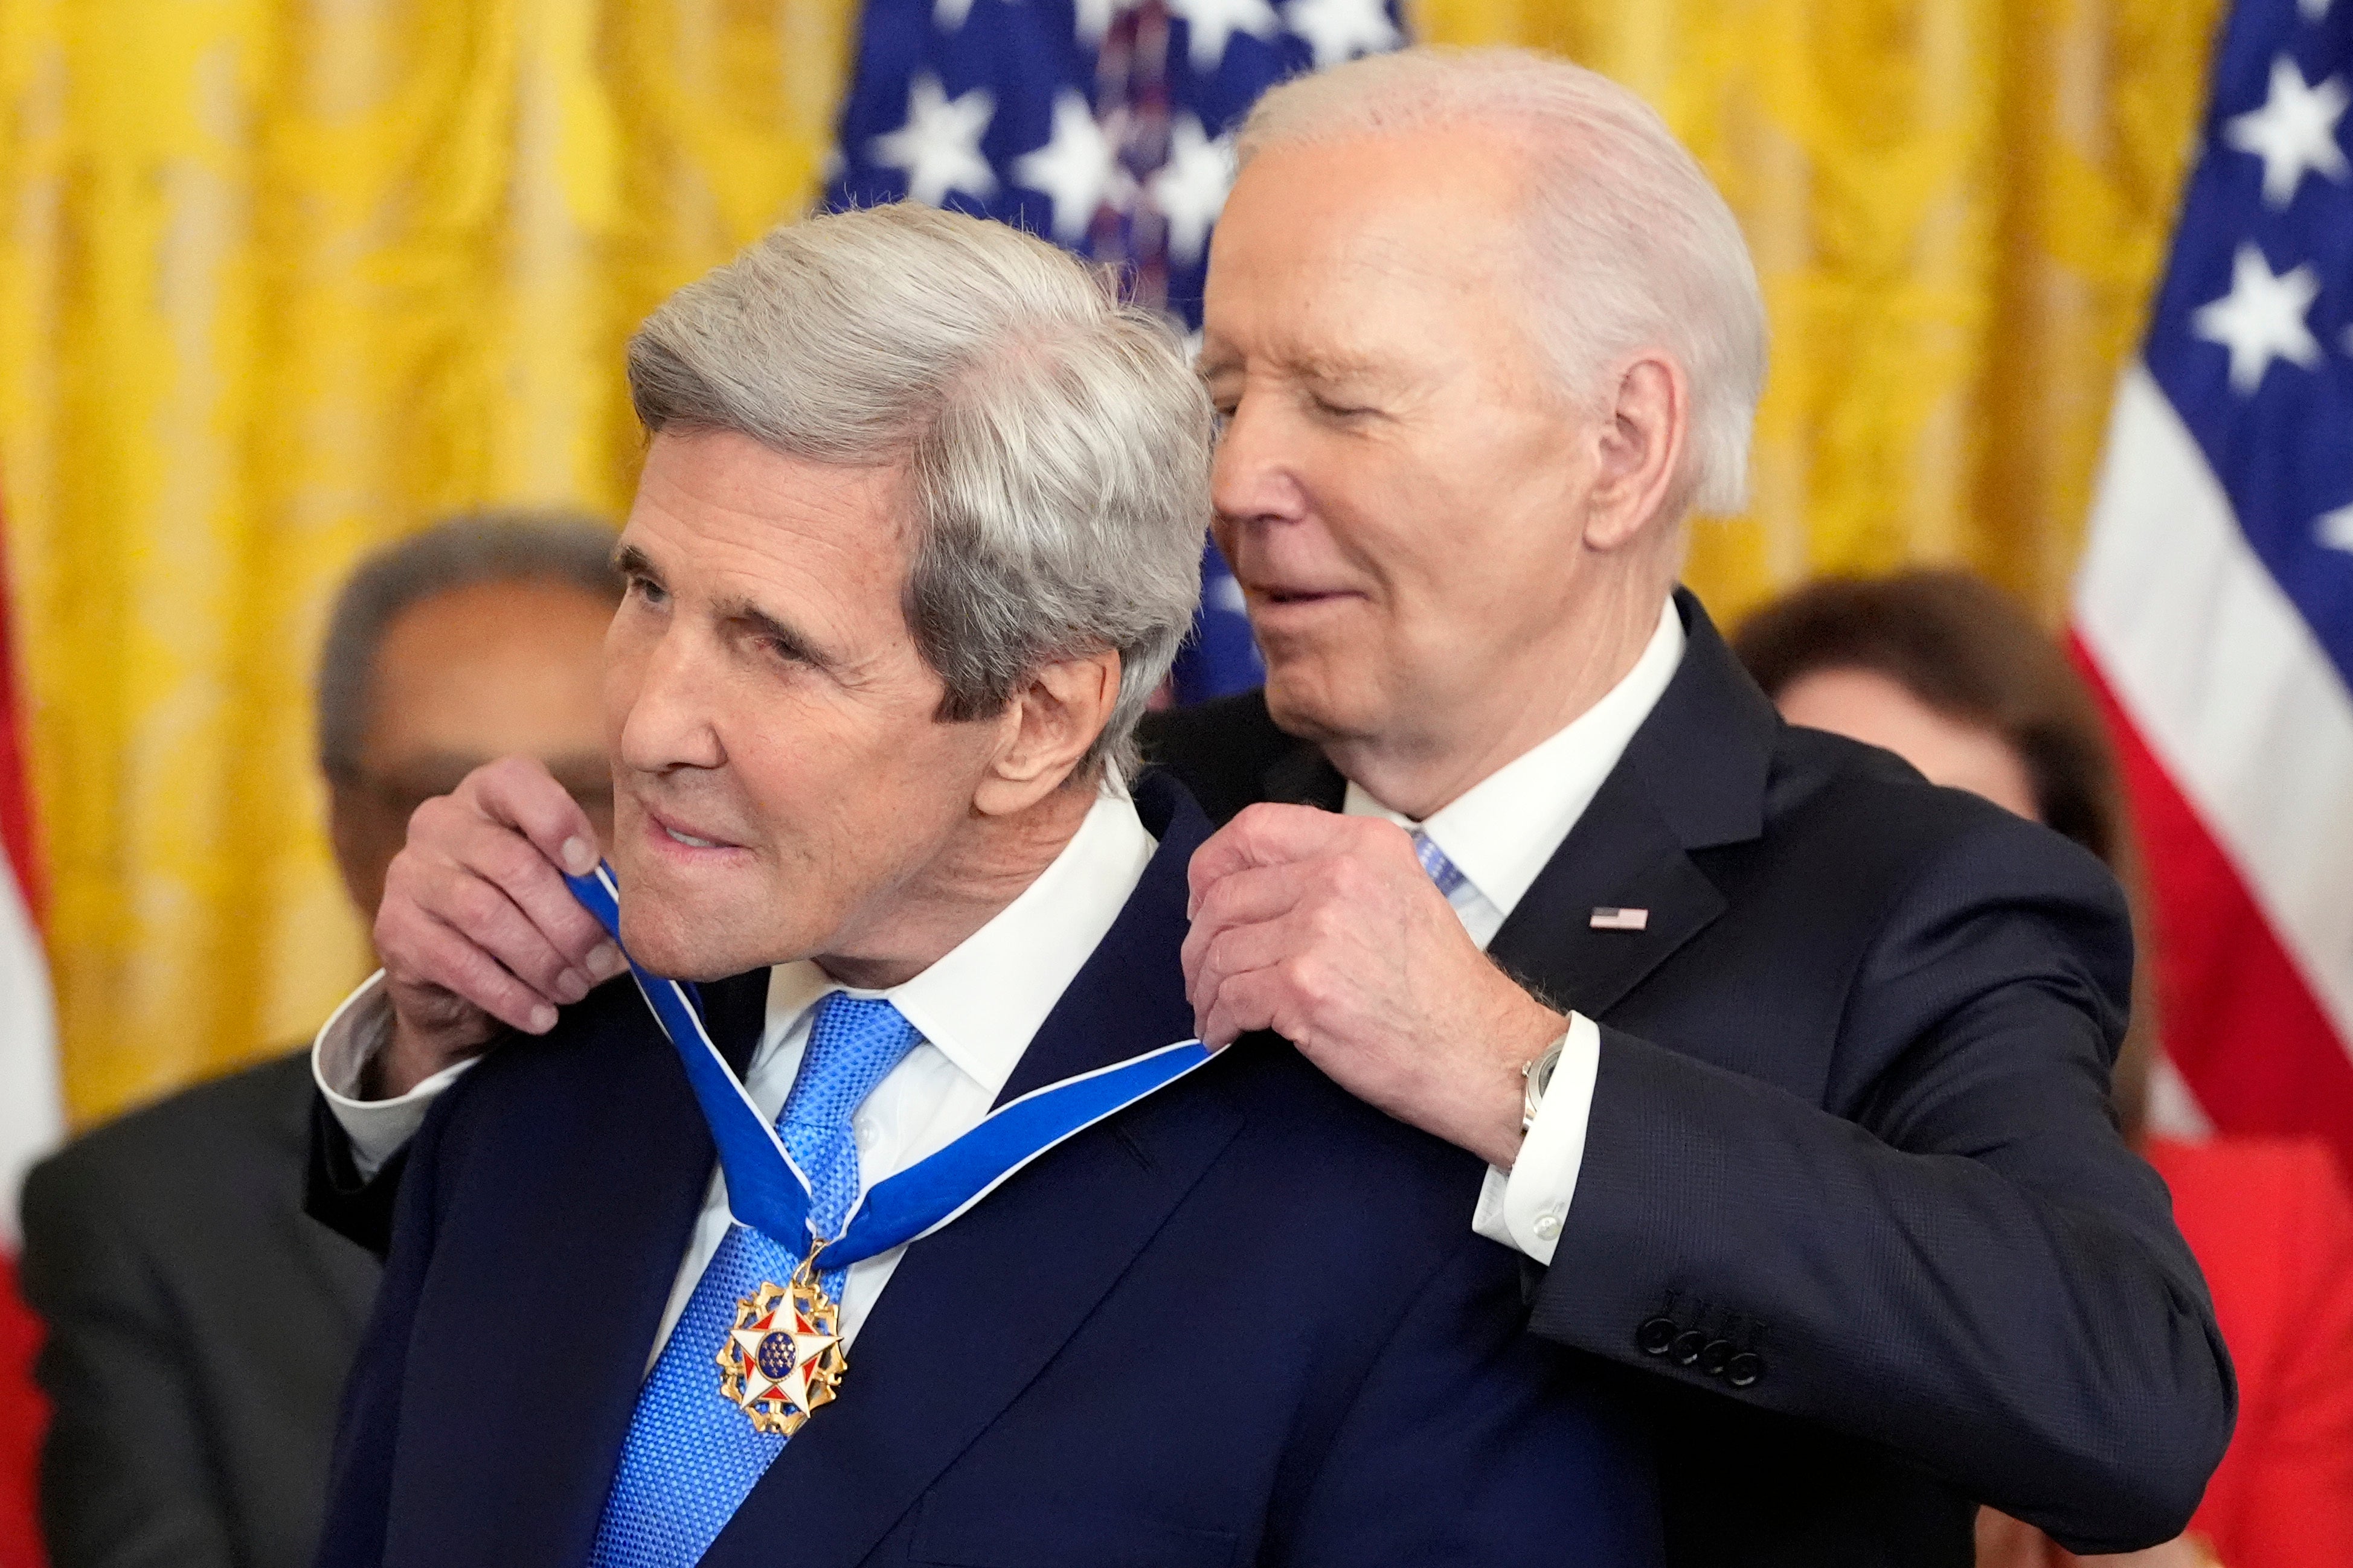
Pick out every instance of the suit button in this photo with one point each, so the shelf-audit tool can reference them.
(1743, 1369)
(1687, 1346)
(1655, 1336)
(1715, 1357)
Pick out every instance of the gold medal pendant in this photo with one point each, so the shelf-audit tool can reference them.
(784, 1357)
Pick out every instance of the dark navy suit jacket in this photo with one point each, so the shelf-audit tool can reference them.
(1244, 1322)
(1853, 1212)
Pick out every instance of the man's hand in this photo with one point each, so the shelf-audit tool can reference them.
(1326, 930)
(476, 928)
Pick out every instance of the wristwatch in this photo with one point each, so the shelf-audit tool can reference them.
(1537, 1072)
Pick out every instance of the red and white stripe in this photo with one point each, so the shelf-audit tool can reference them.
(29, 1118)
(31, 1114)
(2236, 736)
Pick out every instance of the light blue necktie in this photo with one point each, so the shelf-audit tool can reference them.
(693, 1455)
(1442, 872)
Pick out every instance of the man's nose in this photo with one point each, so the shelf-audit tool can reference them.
(674, 713)
(1255, 478)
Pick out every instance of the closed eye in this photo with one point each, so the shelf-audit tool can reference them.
(780, 648)
(637, 573)
(778, 640)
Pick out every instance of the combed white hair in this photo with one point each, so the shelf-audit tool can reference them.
(1630, 247)
(1055, 442)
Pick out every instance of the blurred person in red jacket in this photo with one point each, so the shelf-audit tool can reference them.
(1950, 674)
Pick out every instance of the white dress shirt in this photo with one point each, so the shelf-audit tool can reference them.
(977, 1008)
(1500, 834)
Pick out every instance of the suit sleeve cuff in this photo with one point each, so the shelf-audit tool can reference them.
(347, 1042)
(1525, 1206)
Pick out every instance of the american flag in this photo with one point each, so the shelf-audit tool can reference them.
(2215, 603)
(1104, 125)
(31, 1119)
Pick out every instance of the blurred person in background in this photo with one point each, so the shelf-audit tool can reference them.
(1953, 677)
(200, 1326)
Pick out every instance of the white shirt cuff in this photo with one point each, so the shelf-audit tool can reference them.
(1526, 1207)
(347, 1042)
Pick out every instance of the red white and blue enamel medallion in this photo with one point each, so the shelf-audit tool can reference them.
(784, 1357)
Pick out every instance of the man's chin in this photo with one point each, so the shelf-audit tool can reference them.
(685, 944)
(676, 926)
(654, 948)
(1303, 700)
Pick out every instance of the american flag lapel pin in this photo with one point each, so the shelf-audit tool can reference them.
(1608, 919)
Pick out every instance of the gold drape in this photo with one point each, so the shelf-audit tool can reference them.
(1958, 208)
(279, 280)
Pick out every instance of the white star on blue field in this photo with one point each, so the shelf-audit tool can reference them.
(1104, 125)
(2252, 338)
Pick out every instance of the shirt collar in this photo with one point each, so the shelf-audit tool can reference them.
(1501, 832)
(982, 1002)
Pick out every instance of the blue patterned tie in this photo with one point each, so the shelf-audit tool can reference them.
(693, 1455)
(1442, 872)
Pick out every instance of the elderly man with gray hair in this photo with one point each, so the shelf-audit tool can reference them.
(996, 1264)
(1789, 1072)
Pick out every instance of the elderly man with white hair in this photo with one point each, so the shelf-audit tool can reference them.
(1788, 1069)
(997, 1264)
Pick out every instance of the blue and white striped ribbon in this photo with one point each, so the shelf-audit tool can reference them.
(767, 1190)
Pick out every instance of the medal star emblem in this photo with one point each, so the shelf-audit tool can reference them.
(784, 1356)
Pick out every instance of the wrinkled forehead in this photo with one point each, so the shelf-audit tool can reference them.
(719, 501)
(812, 556)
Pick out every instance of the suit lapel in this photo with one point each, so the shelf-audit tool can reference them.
(735, 1011)
(974, 1313)
(612, 1171)
(1129, 997)
(1619, 856)
(1694, 777)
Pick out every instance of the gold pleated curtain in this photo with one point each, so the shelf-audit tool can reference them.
(281, 280)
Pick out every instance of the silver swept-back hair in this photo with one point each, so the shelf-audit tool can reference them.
(1630, 245)
(520, 544)
(1055, 442)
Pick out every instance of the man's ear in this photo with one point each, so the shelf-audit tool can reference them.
(1048, 728)
(1644, 429)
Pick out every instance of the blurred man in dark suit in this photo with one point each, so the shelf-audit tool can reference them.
(200, 1325)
